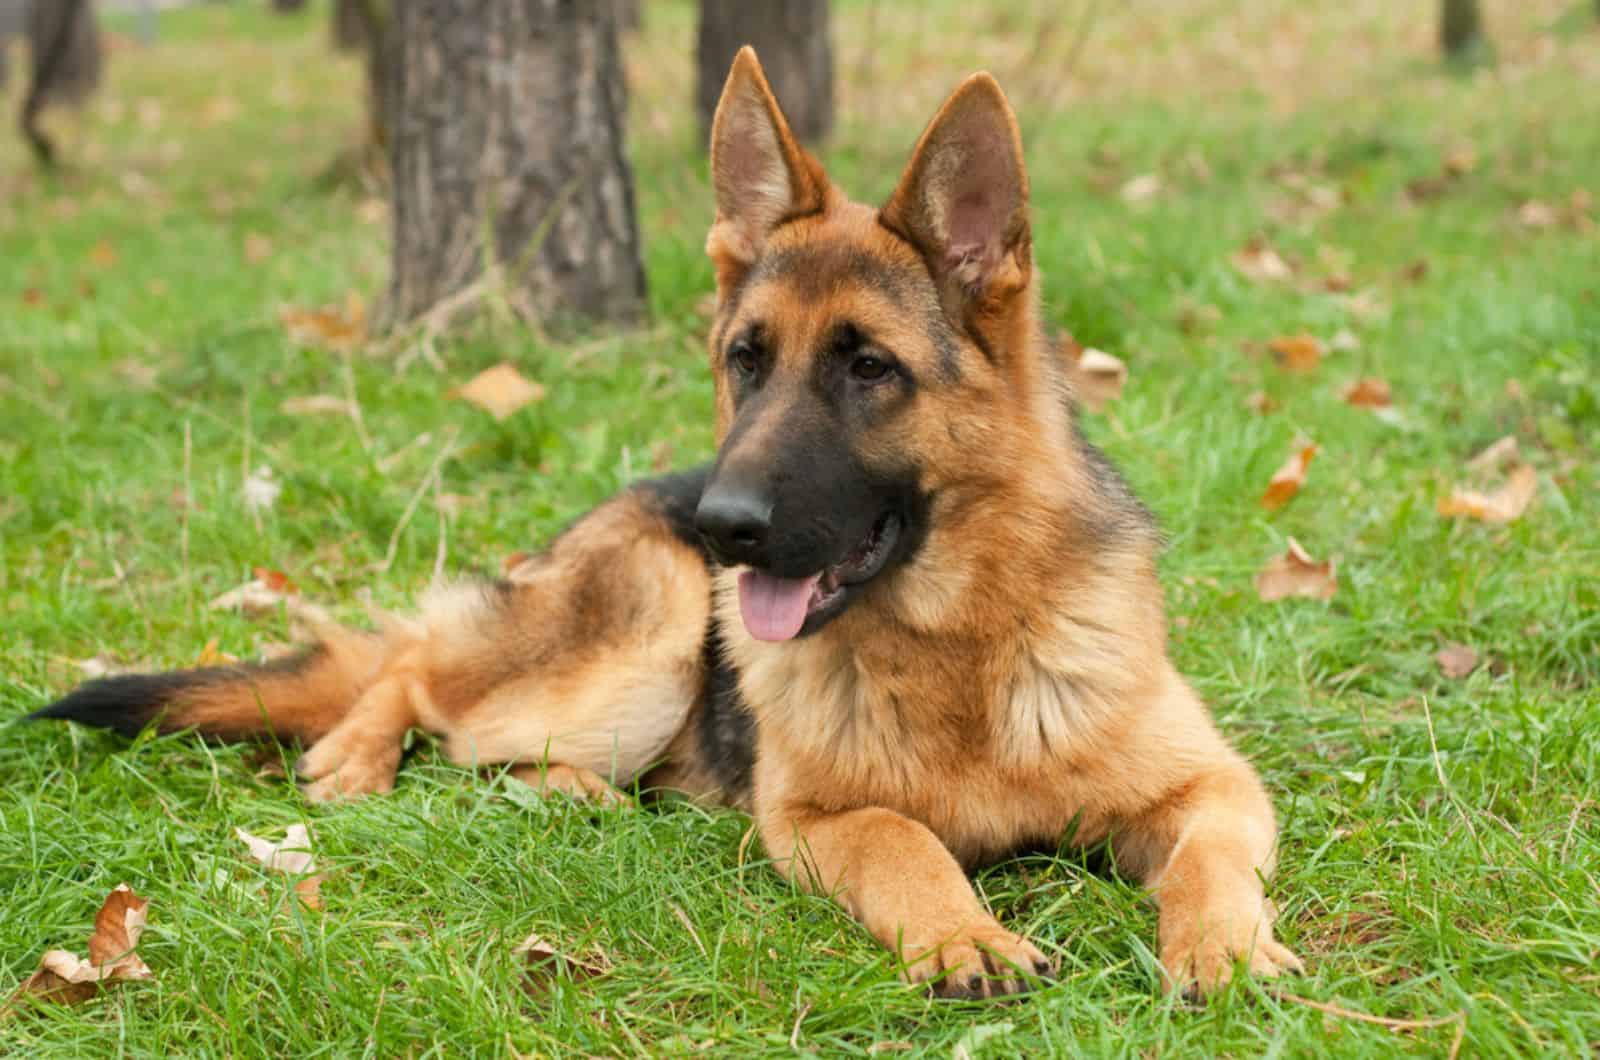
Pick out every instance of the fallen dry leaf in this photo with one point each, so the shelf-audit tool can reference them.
(103, 254)
(1257, 261)
(1141, 189)
(331, 327)
(499, 391)
(1502, 506)
(1368, 392)
(544, 960)
(257, 248)
(1288, 479)
(1456, 660)
(1462, 159)
(1297, 353)
(291, 854)
(1260, 402)
(1502, 453)
(1295, 573)
(1536, 214)
(65, 977)
(316, 405)
(261, 490)
(1344, 341)
(264, 592)
(213, 655)
(1100, 378)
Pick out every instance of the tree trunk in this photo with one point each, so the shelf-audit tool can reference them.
(628, 13)
(791, 38)
(508, 131)
(64, 41)
(1460, 28)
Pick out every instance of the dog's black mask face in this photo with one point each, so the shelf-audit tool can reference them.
(799, 495)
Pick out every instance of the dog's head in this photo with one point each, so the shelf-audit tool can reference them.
(866, 360)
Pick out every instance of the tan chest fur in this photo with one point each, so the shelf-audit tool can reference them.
(993, 739)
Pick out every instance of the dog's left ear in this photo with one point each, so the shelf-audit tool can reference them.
(963, 200)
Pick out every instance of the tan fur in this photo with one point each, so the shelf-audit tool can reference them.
(1007, 683)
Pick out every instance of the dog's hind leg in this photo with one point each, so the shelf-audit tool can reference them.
(597, 647)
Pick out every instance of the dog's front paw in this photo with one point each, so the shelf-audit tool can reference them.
(980, 960)
(1201, 960)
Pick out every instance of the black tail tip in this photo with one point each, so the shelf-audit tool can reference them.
(125, 703)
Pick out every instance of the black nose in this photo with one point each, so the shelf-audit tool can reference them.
(736, 523)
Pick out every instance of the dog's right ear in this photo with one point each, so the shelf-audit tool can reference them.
(761, 174)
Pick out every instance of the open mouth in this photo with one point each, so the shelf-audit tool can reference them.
(776, 609)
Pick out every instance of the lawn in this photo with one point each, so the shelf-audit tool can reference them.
(1440, 838)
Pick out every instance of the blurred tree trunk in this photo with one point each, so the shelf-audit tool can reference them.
(791, 37)
(1461, 29)
(364, 26)
(64, 42)
(507, 148)
(628, 13)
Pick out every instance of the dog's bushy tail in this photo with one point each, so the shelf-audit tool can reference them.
(297, 698)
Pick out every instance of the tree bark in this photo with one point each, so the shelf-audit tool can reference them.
(628, 13)
(791, 38)
(1460, 28)
(64, 41)
(507, 148)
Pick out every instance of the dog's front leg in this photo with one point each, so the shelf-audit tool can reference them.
(1203, 852)
(894, 876)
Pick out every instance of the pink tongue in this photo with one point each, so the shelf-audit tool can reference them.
(774, 608)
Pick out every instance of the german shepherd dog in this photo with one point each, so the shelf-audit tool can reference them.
(908, 618)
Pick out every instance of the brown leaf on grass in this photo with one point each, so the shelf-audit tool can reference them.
(1536, 214)
(544, 961)
(372, 211)
(65, 977)
(1456, 660)
(1288, 479)
(1100, 378)
(1260, 402)
(257, 248)
(309, 891)
(1140, 189)
(331, 327)
(103, 255)
(1462, 159)
(1297, 353)
(1368, 392)
(1502, 453)
(1344, 341)
(291, 854)
(1295, 573)
(316, 405)
(213, 655)
(136, 373)
(1258, 261)
(1502, 506)
(32, 296)
(499, 391)
(264, 592)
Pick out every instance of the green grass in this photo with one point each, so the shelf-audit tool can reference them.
(1440, 837)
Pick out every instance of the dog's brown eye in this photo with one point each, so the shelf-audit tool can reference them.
(869, 369)
(743, 358)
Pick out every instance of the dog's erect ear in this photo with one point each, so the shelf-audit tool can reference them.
(762, 175)
(963, 199)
